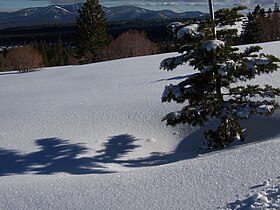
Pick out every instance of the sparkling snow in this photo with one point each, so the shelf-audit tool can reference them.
(91, 137)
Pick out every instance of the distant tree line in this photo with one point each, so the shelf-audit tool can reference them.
(92, 44)
(55, 54)
(155, 30)
(128, 44)
(92, 40)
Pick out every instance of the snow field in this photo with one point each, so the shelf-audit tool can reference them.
(81, 137)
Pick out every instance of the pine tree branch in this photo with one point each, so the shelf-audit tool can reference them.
(254, 91)
(170, 64)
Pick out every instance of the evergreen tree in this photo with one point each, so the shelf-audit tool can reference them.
(91, 35)
(259, 11)
(276, 8)
(252, 27)
(228, 17)
(42, 48)
(211, 92)
(262, 26)
(53, 55)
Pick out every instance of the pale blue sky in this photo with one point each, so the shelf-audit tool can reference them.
(175, 5)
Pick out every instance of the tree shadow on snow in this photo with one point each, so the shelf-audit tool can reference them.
(11, 162)
(261, 128)
(116, 148)
(172, 78)
(187, 149)
(257, 129)
(56, 155)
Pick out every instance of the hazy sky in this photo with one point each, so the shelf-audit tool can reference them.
(175, 5)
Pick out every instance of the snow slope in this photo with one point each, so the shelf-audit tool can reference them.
(91, 137)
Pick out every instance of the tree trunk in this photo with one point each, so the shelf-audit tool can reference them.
(212, 14)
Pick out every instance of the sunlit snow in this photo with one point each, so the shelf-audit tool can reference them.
(91, 137)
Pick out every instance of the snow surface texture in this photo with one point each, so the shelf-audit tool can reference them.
(91, 137)
(263, 196)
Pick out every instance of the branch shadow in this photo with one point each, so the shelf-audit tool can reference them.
(11, 162)
(115, 148)
(55, 155)
(171, 78)
(60, 156)
(258, 129)
(182, 152)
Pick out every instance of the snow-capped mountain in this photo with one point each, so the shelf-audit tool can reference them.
(60, 14)
(131, 12)
(40, 15)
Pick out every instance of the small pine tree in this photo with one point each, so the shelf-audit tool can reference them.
(251, 29)
(42, 47)
(91, 35)
(211, 92)
(261, 26)
(276, 8)
(54, 55)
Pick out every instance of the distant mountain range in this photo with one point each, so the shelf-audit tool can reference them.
(58, 14)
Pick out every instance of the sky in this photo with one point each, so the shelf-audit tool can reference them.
(175, 5)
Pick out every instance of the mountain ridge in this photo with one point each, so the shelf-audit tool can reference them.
(63, 14)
